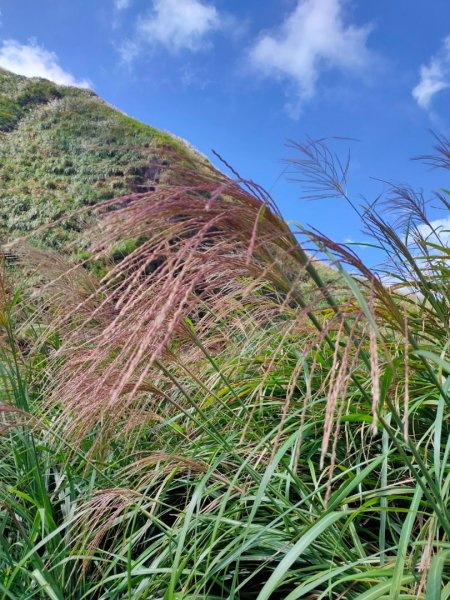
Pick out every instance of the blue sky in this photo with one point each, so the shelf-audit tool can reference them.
(244, 76)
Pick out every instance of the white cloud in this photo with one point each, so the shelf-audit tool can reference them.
(434, 77)
(122, 4)
(179, 24)
(128, 50)
(313, 37)
(439, 232)
(32, 60)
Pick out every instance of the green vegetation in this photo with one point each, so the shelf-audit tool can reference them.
(214, 415)
(63, 149)
(10, 113)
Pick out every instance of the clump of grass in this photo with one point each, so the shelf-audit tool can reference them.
(223, 416)
(10, 113)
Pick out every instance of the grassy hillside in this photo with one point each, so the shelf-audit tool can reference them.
(208, 417)
(62, 148)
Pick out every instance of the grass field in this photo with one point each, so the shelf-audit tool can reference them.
(219, 414)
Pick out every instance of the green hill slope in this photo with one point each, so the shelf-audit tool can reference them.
(62, 148)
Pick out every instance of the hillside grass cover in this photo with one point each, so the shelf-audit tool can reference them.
(219, 414)
(63, 148)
